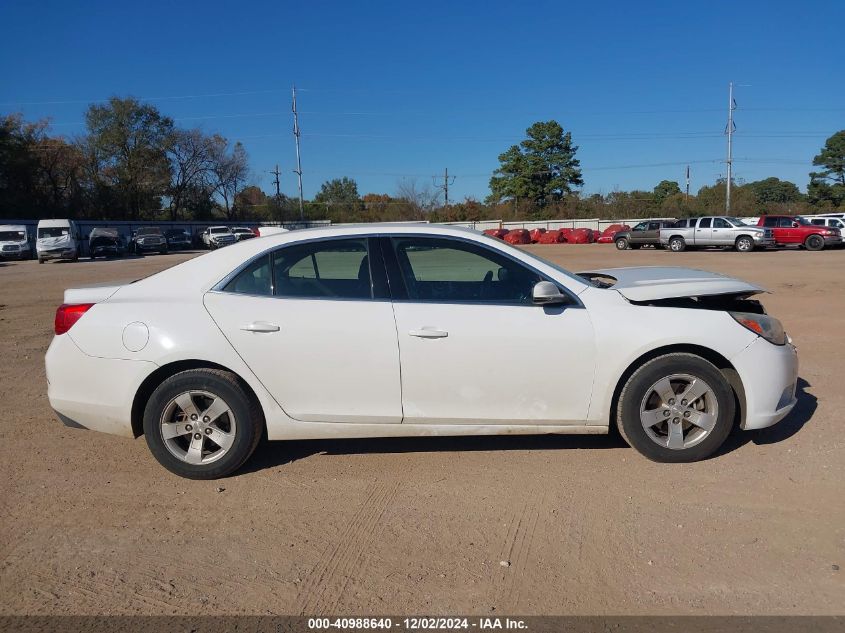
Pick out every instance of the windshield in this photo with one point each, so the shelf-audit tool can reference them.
(736, 222)
(218, 229)
(12, 236)
(153, 230)
(499, 244)
(52, 231)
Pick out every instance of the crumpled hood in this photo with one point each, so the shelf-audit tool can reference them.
(649, 283)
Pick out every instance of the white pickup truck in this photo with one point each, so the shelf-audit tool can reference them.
(723, 231)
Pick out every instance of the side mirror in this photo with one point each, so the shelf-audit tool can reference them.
(795, 225)
(545, 293)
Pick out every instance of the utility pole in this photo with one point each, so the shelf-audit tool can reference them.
(445, 186)
(686, 196)
(298, 170)
(729, 130)
(276, 173)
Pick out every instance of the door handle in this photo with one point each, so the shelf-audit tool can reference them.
(260, 326)
(429, 332)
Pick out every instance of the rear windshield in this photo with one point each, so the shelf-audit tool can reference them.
(153, 230)
(12, 236)
(52, 231)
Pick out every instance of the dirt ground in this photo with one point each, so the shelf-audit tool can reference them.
(91, 524)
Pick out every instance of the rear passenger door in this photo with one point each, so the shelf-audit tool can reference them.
(314, 322)
(704, 231)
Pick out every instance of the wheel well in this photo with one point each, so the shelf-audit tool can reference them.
(721, 363)
(672, 237)
(739, 237)
(163, 373)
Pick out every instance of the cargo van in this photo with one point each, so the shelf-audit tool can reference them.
(57, 239)
(14, 242)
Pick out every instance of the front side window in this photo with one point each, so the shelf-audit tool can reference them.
(642, 226)
(704, 223)
(770, 222)
(446, 270)
(332, 269)
(785, 223)
(719, 223)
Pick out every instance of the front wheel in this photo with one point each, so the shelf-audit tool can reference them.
(677, 244)
(676, 408)
(814, 243)
(621, 244)
(744, 244)
(202, 424)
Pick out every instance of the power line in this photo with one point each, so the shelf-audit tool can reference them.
(167, 98)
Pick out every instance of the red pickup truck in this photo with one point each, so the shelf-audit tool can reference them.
(793, 229)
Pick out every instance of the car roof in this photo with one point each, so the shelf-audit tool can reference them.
(54, 222)
(12, 227)
(203, 272)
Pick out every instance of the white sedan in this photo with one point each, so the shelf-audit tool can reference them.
(400, 330)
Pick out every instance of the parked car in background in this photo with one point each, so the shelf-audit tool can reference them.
(105, 242)
(149, 239)
(795, 230)
(15, 242)
(264, 231)
(57, 239)
(177, 239)
(832, 222)
(724, 231)
(242, 233)
(643, 234)
(414, 330)
(217, 236)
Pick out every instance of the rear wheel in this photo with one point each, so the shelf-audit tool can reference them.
(621, 244)
(814, 243)
(201, 424)
(676, 408)
(677, 244)
(744, 244)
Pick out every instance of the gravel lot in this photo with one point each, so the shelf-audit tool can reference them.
(92, 524)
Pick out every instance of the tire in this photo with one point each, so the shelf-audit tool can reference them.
(677, 244)
(621, 244)
(814, 243)
(744, 244)
(240, 426)
(639, 400)
(40, 261)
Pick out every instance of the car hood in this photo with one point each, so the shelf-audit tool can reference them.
(52, 242)
(649, 283)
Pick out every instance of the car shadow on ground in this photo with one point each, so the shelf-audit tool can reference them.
(272, 454)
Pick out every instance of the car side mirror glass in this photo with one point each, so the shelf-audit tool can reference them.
(546, 293)
(795, 225)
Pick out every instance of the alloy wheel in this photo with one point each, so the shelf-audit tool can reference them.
(679, 411)
(198, 427)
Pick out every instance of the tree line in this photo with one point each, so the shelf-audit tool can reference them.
(134, 163)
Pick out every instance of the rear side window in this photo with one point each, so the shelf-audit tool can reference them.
(331, 269)
(704, 223)
(255, 279)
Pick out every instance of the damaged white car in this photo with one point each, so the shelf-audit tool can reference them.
(409, 330)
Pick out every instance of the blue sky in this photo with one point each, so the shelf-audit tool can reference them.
(393, 91)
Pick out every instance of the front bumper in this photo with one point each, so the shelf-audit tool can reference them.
(19, 254)
(93, 393)
(764, 241)
(58, 253)
(769, 375)
(151, 247)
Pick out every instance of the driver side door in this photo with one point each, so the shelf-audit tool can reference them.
(473, 347)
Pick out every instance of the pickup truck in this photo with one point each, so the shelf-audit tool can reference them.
(721, 231)
(643, 234)
(793, 229)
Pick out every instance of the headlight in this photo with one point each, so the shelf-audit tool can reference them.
(767, 327)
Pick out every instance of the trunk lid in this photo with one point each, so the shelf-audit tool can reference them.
(92, 294)
(650, 283)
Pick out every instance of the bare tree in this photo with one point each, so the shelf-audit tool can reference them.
(189, 152)
(228, 171)
(421, 199)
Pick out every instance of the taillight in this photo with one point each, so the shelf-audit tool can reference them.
(67, 314)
